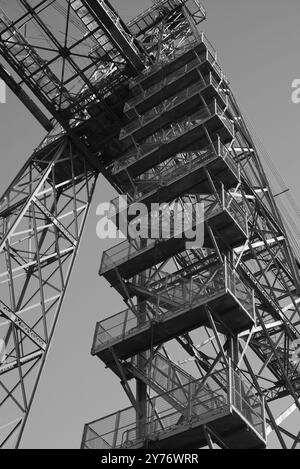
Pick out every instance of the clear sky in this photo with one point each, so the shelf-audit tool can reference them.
(258, 47)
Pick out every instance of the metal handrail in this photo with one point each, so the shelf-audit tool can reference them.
(119, 430)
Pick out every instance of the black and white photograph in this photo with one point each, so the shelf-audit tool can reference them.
(149, 228)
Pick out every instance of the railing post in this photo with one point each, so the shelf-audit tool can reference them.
(95, 336)
(189, 413)
(116, 431)
(253, 306)
(264, 418)
(230, 389)
(125, 323)
(223, 197)
(84, 438)
(226, 273)
(103, 262)
(219, 147)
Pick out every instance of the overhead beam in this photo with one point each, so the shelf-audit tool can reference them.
(118, 32)
(25, 99)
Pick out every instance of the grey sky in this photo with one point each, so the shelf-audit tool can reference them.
(258, 48)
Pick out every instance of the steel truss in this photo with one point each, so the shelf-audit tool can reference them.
(118, 103)
(43, 214)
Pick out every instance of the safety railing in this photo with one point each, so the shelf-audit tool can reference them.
(230, 159)
(249, 405)
(163, 373)
(171, 171)
(197, 11)
(183, 165)
(168, 171)
(227, 391)
(164, 376)
(171, 218)
(151, 17)
(236, 211)
(186, 294)
(172, 77)
(180, 166)
(184, 48)
(240, 291)
(174, 101)
(173, 132)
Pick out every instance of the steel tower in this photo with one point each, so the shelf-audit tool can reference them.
(146, 105)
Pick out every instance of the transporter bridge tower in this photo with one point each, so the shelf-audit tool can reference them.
(147, 105)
